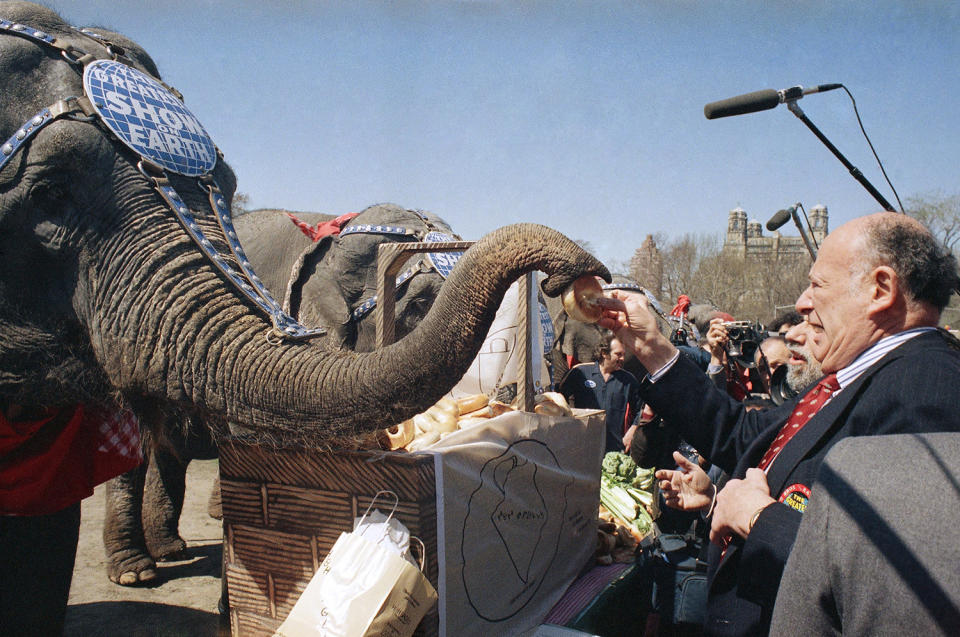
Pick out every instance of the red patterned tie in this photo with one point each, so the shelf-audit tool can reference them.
(806, 408)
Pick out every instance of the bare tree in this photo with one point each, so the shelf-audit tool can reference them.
(751, 288)
(940, 213)
(682, 259)
(240, 202)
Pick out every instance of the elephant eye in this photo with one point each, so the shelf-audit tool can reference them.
(48, 193)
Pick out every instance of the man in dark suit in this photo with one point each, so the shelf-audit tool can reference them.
(877, 551)
(875, 296)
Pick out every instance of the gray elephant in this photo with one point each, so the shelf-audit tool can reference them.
(115, 283)
(326, 281)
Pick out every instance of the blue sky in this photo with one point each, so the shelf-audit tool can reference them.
(584, 116)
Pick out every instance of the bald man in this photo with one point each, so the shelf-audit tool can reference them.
(876, 292)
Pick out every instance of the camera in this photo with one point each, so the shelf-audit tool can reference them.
(780, 389)
(683, 332)
(743, 341)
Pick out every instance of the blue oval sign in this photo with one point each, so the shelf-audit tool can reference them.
(149, 118)
(443, 262)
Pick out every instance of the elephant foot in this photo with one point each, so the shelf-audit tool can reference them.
(132, 569)
(165, 544)
(172, 550)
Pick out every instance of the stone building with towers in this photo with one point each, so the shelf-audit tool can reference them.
(746, 238)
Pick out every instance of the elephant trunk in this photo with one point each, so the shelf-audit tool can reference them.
(208, 353)
(387, 386)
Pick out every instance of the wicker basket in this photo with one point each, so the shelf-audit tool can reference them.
(283, 509)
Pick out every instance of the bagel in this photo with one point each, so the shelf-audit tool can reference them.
(425, 440)
(580, 300)
(551, 403)
(400, 435)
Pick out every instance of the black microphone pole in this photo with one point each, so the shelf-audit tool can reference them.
(792, 105)
(803, 234)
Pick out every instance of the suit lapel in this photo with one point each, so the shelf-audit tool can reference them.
(832, 415)
(820, 425)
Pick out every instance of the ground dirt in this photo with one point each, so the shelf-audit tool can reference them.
(182, 601)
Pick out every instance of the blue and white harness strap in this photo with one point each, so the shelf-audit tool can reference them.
(442, 262)
(149, 118)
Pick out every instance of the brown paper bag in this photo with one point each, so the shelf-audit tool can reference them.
(360, 589)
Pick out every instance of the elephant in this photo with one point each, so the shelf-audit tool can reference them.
(108, 291)
(324, 282)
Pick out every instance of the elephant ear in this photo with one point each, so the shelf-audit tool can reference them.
(310, 279)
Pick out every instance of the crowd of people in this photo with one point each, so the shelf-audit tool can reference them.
(808, 534)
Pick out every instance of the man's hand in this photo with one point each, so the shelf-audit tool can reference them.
(717, 339)
(688, 488)
(628, 438)
(736, 504)
(629, 316)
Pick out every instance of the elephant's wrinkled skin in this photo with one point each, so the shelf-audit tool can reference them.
(103, 294)
(323, 282)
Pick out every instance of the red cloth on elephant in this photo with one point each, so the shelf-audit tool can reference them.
(49, 463)
(321, 230)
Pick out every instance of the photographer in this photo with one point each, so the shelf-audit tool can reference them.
(772, 354)
(733, 346)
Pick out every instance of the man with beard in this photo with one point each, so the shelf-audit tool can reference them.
(876, 292)
(689, 488)
(802, 369)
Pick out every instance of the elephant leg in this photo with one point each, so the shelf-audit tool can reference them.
(163, 493)
(558, 365)
(128, 561)
(214, 504)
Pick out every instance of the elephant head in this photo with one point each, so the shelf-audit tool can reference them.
(332, 282)
(103, 291)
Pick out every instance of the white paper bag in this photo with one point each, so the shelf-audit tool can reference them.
(364, 587)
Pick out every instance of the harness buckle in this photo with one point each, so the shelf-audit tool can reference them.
(75, 56)
(207, 184)
(150, 170)
(73, 105)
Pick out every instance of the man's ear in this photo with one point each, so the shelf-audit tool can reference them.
(884, 289)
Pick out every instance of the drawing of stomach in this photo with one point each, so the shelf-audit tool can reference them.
(512, 528)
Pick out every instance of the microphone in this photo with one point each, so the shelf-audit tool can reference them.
(761, 100)
(780, 218)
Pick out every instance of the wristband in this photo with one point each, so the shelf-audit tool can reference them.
(753, 518)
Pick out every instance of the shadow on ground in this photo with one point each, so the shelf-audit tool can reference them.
(181, 601)
(143, 619)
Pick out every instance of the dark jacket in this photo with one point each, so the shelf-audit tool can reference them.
(914, 388)
(585, 387)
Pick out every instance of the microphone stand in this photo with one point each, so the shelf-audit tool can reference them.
(792, 105)
(803, 234)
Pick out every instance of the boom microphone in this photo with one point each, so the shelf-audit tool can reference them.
(780, 218)
(761, 100)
